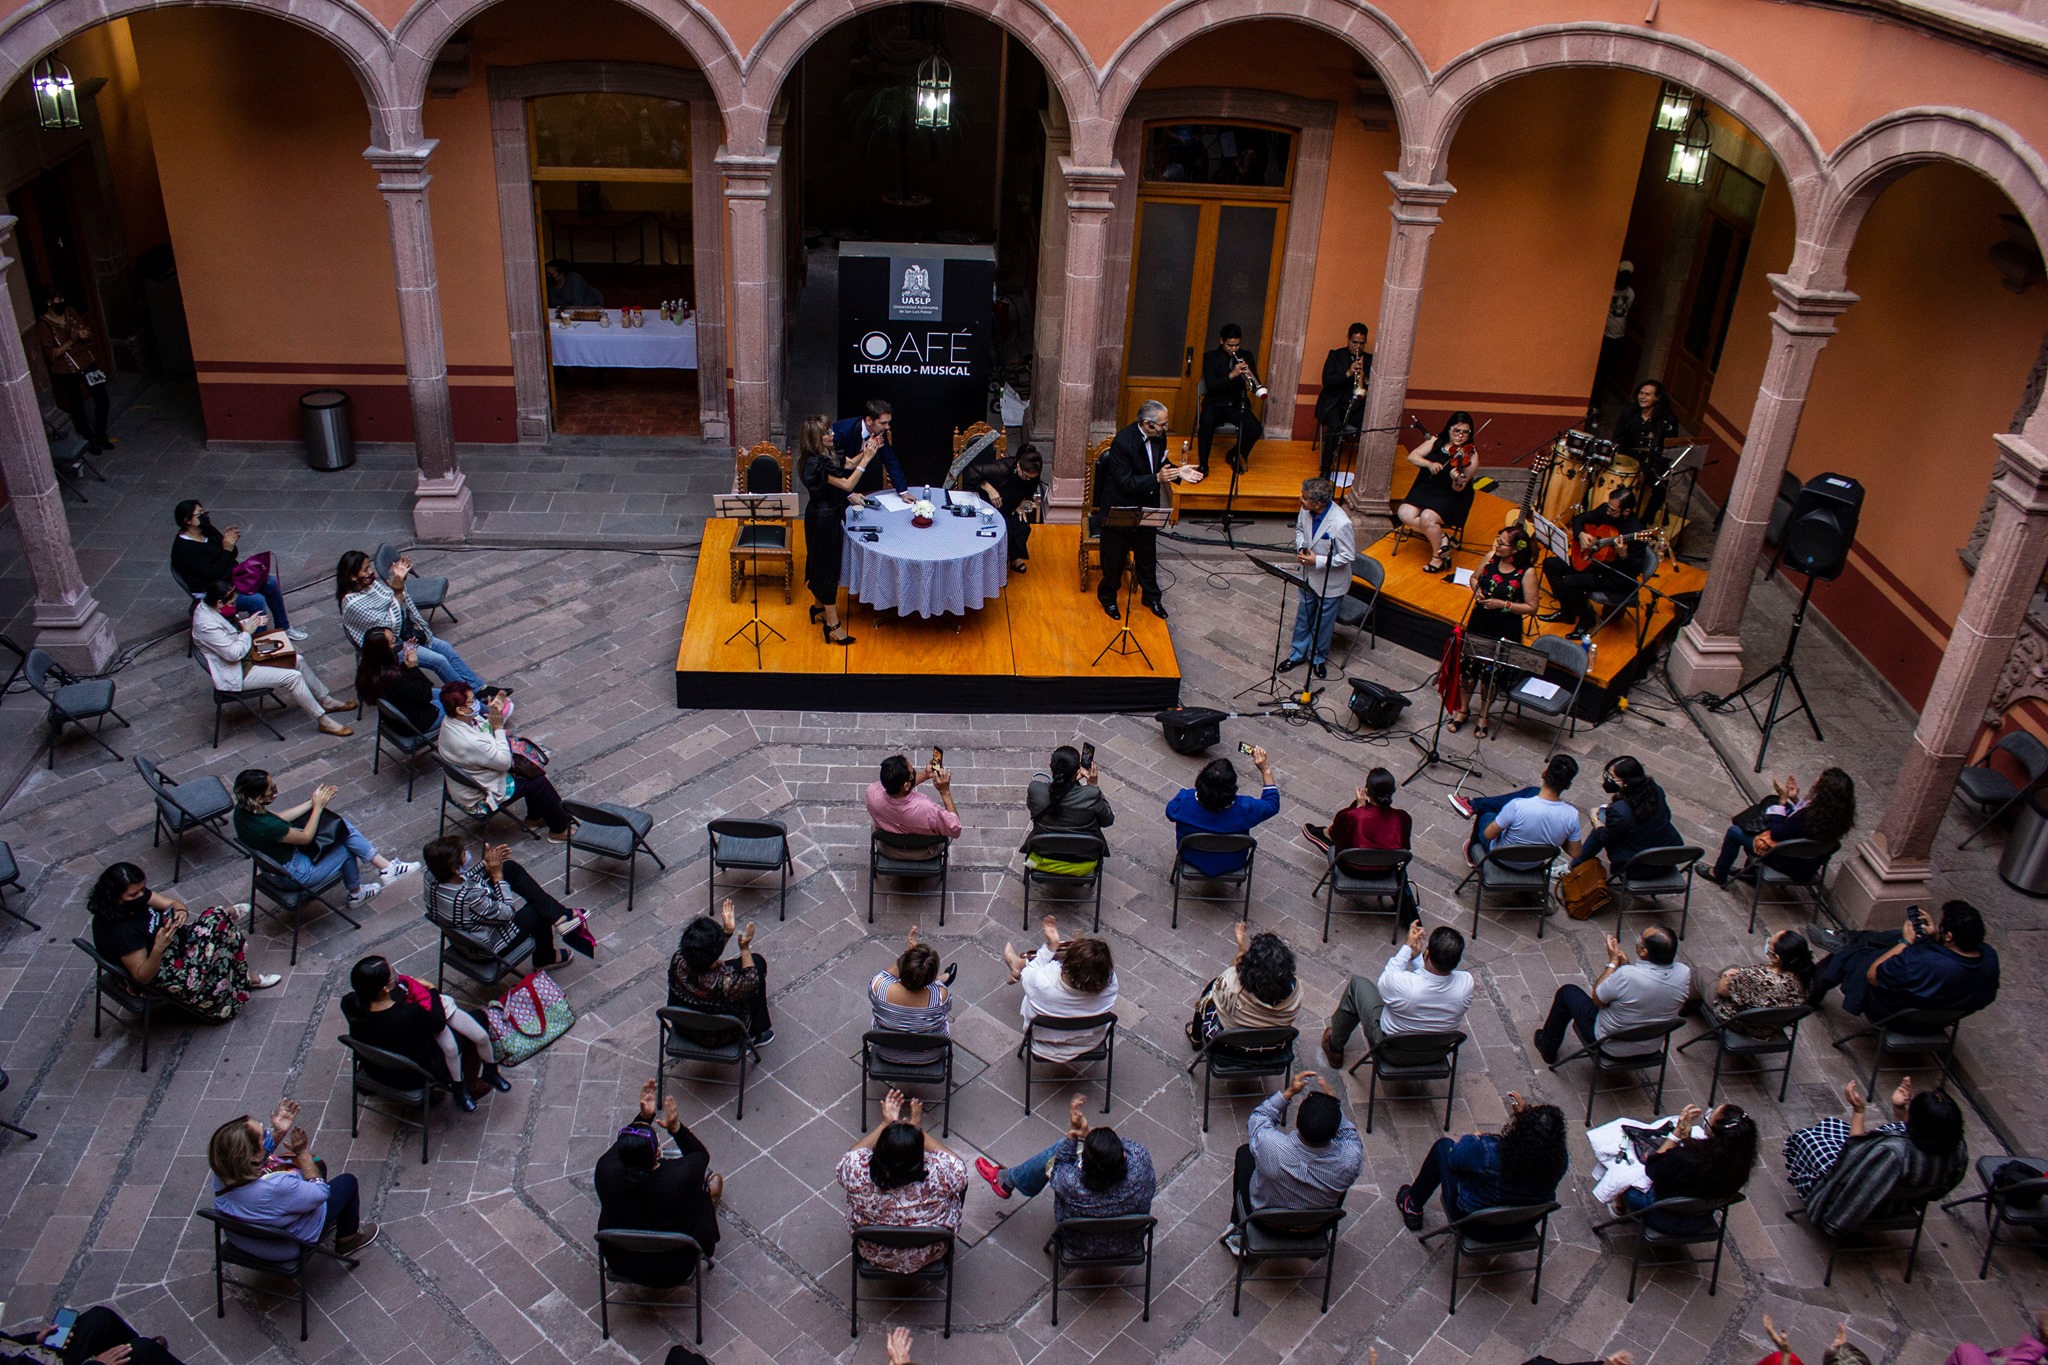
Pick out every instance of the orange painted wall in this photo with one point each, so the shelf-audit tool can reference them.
(1747, 349)
(109, 51)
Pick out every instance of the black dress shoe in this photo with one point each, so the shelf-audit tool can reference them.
(1320, 670)
(1158, 609)
(1553, 617)
(1109, 610)
(463, 1100)
(1290, 665)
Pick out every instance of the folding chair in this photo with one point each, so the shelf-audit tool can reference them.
(1651, 873)
(407, 741)
(1618, 601)
(1514, 870)
(1413, 1057)
(427, 593)
(250, 699)
(112, 984)
(1714, 1229)
(1737, 1036)
(1104, 1051)
(1993, 792)
(1355, 615)
(1608, 1060)
(269, 881)
(1284, 1235)
(295, 1264)
(1221, 844)
(1544, 696)
(885, 859)
(202, 802)
(10, 875)
(748, 846)
(72, 701)
(1367, 874)
(1244, 1054)
(1904, 1211)
(1500, 1230)
(610, 831)
(474, 958)
(901, 1238)
(1928, 1032)
(643, 1242)
(2022, 1204)
(1098, 1233)
(935, 1068)
(17, 1128)
(700, 1036)
(1065, 848)
(1815, 884)
(418, 1095)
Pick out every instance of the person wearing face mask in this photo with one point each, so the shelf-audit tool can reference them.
(202, 554)
(1635, 817)
(226, 644)
(484, 773)
(495, 899)
(76, 379)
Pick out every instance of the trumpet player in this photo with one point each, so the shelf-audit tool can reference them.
(1229, 384)
(1340, 408)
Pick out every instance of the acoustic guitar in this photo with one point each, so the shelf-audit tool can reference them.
(1607, 548)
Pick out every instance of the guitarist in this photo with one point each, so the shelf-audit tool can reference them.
(1602, 547)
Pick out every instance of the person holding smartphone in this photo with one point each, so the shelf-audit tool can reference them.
(1920, 967)
(897, 807)
(1213, 806)
(76, 1336)
(226, 641)
(1067, 799)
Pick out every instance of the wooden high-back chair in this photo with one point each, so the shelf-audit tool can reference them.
(764, 546)
(1091, 544)
(965, 438)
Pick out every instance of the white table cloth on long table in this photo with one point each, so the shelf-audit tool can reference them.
(945, 569)
(656, 346)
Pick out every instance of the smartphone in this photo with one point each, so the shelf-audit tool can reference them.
(1087, 755)
(1244, 748)
(64, 1321)
(938, 756)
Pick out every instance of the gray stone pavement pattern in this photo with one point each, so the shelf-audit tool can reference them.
(487, 1254)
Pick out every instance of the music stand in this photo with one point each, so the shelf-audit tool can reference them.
(1287, 575)
(743, 508)
(1124, 642)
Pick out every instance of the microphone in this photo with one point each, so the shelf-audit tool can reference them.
(1621, 705)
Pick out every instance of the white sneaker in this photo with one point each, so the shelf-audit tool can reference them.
(297, 633)
(397, 870)
(363, 893)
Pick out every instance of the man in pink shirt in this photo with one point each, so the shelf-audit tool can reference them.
(897, 807)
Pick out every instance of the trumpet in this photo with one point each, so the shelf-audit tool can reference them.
(1357, 378)
(1252, 387)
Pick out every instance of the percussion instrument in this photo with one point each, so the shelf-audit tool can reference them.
(1565, 487)
(1623, 472)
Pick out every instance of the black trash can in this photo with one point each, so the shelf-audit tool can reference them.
(330, 442)
(2025, 864)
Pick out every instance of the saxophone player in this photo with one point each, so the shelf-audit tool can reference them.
(1229, 384)
(1340, 408)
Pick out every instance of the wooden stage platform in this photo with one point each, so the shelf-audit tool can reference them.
(1031, 650)
(1271, 483)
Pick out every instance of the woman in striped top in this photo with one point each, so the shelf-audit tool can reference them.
(911, 998)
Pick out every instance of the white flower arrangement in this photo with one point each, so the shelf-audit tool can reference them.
(923, 508)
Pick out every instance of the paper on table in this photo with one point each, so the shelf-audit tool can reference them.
(1462, 577)
(966, 499)
(1541, 688)
(889, 502)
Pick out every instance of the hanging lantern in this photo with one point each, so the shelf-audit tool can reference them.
(934, 93)
(1674, 108)
(1689, 155)
(56, 95)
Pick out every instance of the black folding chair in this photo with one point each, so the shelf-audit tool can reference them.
(427, 593)
(900, 1238)
(1753, 1033)
(1904, 1211)
(474, 957)
(610, 831)
(700, 1036)
(1544, 695)
(1992, 792)
(10, 875)
(1415, 1058)
(17, 1128)
(1284, 1235)
(1239, 1054)
(113, 985)
(2020, 1204)
(1066, 848)
(1685, 1223)
(644, 1242)
(1611, 1057)
(1500, 1230)
(1652, 873)
(405, 739)
(72, 701)
(886, 859)
(250, 699)
(268, 881)
(1926, 1032)
(1222, 845)
(419, 1094)
(934, 1067)
(201, 802)
(1104, 1051)
(1815, 884)
(294, 1261)
(1358, 615)
(1098, 1239)
(754, 846)
(478, 813)
(1518, 870)
(1367, 874)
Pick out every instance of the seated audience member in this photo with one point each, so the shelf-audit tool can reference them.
(1827, 813)
(1649, 990)
(1069, 980)
(1067, 799)
(698, 980)
(1011, 487)
(1521, 1164)
(1839, 1351)
(895, 806)
(98, 1335)
(1257, 990)
(201, 555)
(1637, 817)
(1845, 1173)
(387, 673)
(910, 998)
(568, 289)
(396, 1013)
(1420, 990)
(1781, 981)
(269, 1178)
(485, 771)
(200, 962)
(900, 1176)
(1312, 1167)
(497, 900)
(642, 1188)
(227, 644)
(368, 602)
(1212, 806)
(1093, 1174)
(1917, 967)
(293, 837)
(2032, 1350)
(1713, 1165)
(1533, 815)
(1370, 821)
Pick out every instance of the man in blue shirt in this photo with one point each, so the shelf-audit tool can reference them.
(1312, 1167)
(1212, 806)
(1918, 968)
(850, 436)
(1533, 815)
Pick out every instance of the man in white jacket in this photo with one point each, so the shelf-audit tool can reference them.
(1324, 546)
(227, 647)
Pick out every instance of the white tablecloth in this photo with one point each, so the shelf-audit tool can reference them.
(657, 346)
(944, 569)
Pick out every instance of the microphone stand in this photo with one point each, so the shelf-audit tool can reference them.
(1432, 753)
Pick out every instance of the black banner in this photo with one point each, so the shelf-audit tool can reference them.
(916, 327)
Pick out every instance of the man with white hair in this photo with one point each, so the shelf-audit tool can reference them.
(1134, 472)
(1324, 546)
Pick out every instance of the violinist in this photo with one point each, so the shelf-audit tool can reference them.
(1601, 539)
(1340, 408)
(1442, 493)
(1228, 383)
(1641, 433)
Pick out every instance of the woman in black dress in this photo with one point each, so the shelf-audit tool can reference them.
(1442, 494)
(1640, 435)
(831, 480)
(1503, 597)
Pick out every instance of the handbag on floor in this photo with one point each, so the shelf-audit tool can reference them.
(527, 1018)
(1583, 890)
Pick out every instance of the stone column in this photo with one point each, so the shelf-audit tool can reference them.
(756, 396)
(1892, 868)
(1050, 313)
(442, 507)
(1415, 213)
(1090, 198)
(68, 622)
(1708, 657)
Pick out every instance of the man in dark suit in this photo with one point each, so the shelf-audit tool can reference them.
(1132, 473)
(850, 435)
(1338, 408)
(1224, 400)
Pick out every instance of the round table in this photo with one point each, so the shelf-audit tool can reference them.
(944, 569)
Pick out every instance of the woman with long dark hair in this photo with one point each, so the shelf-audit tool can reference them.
(387, 672)
(1781, 981)
(1503, 599)
(899, 1175)
(389, 1010)
(1093, 1174)
(1442, 493)
(200, 960)
(1713, 1166)
(1067, 799)
(1637, 816)
(1844, 1173)
(1827, 813)
(367, 602)
(1521, 1164)
(831, 479)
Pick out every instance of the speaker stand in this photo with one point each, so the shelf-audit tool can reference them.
(1781, 674)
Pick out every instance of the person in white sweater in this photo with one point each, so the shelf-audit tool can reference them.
(226, 646)
(1069, 980)
(476, 748)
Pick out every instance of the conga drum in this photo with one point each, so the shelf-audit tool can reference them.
(1564, 485)
(1625, 472)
